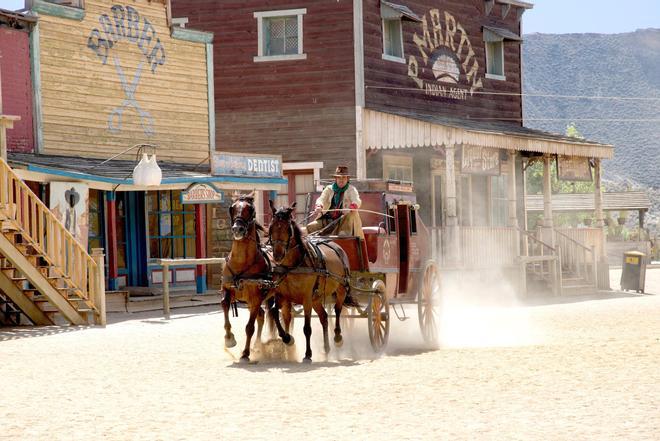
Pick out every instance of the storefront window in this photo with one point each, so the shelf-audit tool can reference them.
(398, 168)
(96, 237)
(171, 226)
(499, 201)
(120, 224)
(301, 182)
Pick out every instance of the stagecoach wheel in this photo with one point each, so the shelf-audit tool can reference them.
(378, 316)
(428, 303)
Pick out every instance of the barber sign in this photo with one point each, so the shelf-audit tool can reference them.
(201, 194)
(249, 165)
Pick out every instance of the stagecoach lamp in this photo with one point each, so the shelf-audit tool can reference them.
(415, 207)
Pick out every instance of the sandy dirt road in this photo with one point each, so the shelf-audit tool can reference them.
(584, 369)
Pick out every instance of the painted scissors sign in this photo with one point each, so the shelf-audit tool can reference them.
(115, 117)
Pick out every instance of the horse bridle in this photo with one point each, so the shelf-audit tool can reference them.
(287, 242)
(239, 219)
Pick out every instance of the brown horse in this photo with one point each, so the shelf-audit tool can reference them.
(246, 265)
(305, 274)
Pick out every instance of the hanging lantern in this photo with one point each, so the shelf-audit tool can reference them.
(147, 172)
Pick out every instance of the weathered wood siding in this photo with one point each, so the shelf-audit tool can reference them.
(17, 87)
(301, 109)
(409, 94)
(83, 92)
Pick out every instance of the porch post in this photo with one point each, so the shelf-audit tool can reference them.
(547, 193)
(603, 270)
(598, 197)
(200, 247)
(547, 231)
(111, 225)
(452, 219)
(513, 209)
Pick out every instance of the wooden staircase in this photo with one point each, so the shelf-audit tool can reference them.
(44, 272)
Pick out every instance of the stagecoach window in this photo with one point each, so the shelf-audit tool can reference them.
(413, 221)
(391, 221)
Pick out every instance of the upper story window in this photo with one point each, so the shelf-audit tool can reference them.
(392, 40)
(393, 16)
(495, 60)
(494, 39)
(280, 35)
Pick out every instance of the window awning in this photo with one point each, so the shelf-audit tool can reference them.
(492, 34)
(397, 129)
(118, 173)
(392, 11)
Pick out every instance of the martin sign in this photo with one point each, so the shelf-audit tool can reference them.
(445, 64)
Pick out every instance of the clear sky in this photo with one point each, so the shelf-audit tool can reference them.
(599, 16)
(564, 16)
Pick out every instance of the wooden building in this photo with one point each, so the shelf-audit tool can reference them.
(110, 80)
(409, 90)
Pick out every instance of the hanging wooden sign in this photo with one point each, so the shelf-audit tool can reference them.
(571, 168)
(201, 193)
(480, 160)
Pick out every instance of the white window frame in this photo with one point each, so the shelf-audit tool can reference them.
(391, 57)
(316, 166)
(260, 34)
(493, 76)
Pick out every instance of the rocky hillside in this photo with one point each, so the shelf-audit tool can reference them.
(614, 65)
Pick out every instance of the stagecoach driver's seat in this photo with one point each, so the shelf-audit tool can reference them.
(338, 203)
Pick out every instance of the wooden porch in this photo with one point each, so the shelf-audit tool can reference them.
(570, 266)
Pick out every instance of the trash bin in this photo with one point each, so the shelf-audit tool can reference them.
(633, 271)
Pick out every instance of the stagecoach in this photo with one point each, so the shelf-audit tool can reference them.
(392, 266)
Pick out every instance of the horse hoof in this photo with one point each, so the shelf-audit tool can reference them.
(230, 342)
(327, 349)
(307, 360)
(245, 360)
(339, 341)
(289, 340)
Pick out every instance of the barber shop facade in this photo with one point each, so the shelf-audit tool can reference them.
(111, 83)
(414, 91)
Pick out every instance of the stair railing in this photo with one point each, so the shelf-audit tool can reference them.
(544, 258)
(577, 258)
(48, 236)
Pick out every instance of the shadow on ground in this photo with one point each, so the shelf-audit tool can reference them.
(18, 333)
(600, 295)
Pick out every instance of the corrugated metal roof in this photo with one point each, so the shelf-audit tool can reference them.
(612, 201)
(120, 172)
(394, 128)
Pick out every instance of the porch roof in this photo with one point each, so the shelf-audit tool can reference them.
(612, 201)
(393, 129)
(115, 173)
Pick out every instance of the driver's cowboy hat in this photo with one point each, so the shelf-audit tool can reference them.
(341, 171)
(72, 192)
